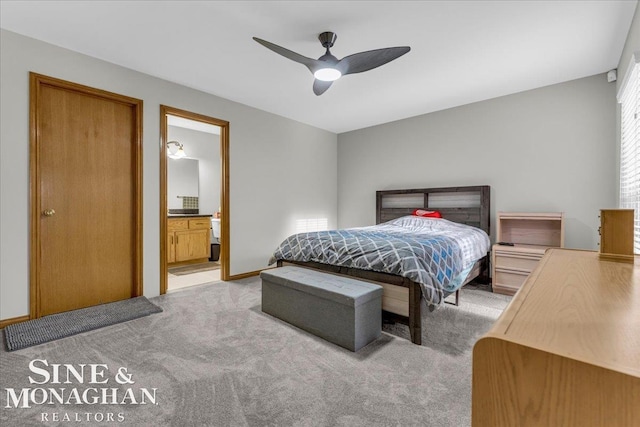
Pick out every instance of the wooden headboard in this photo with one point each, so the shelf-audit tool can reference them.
(466, 205)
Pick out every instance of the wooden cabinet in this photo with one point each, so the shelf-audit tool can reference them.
(531, 234)
(189, 240)
(566, 351)
(616, 234)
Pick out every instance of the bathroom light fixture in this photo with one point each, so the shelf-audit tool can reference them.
(179, 154)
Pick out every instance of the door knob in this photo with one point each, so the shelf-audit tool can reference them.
(48, 212)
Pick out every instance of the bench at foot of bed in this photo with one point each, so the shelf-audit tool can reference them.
(342, 310)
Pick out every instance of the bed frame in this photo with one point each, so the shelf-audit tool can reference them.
(401, 301)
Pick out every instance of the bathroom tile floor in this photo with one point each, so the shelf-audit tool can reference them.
(183, 281)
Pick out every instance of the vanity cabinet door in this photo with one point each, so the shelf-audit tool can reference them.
(192, 244)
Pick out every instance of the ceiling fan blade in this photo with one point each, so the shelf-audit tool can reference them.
(365, 61)
(320, 87)
(310, 63)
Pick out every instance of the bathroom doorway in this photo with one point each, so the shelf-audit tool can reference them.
(194, 195)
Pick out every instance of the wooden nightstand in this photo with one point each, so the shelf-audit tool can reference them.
(532, 234)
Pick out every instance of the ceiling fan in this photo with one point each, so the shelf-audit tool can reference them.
(328, 68)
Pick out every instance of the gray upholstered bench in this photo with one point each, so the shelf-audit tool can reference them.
(342, 310)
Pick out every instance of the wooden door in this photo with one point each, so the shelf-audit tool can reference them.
(86, 196)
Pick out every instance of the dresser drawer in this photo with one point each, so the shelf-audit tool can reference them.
(177, 224)
(199, 223)
(517, 261)
(508, 281)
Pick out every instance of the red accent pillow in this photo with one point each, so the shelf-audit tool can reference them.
(427, 214)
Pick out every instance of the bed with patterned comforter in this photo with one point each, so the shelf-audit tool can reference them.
(433, 252)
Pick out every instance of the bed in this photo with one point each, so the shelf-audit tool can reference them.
(397, 260)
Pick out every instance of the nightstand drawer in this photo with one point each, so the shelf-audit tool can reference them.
(520, 261)
(508, 281)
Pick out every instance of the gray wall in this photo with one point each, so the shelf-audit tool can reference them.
(549, 149)
(272, 180)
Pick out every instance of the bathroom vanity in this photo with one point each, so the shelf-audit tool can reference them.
(189, 239)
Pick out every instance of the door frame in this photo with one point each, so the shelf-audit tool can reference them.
(36, 81)
(224, 189)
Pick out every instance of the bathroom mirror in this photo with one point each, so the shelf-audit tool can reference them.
(182, 181)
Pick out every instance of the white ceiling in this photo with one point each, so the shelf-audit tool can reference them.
(461, 51)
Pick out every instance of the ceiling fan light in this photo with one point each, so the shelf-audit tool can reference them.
(327, 74)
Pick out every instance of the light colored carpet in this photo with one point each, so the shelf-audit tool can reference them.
(217, 360)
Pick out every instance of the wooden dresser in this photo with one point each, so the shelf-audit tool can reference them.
(566, 351)
(531, 234)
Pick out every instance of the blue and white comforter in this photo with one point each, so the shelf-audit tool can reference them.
(435, 253)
